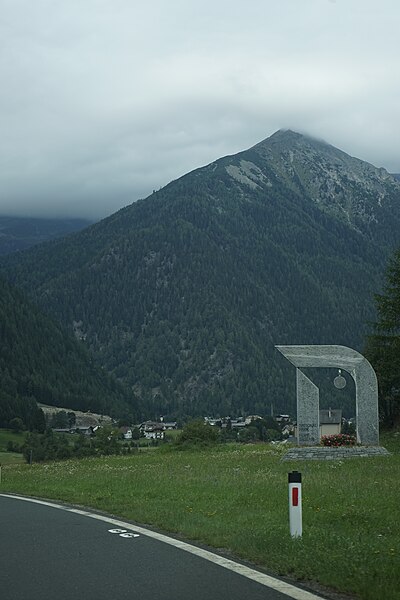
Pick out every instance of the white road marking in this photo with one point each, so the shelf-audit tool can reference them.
(123, 533)
(266, 580)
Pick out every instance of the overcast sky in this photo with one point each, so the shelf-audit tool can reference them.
(103, 101)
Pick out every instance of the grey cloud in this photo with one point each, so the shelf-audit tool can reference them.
(104, 101)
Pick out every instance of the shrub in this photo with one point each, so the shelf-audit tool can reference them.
(338, 439)
(13, 447)
(248, 434)
(198, 433)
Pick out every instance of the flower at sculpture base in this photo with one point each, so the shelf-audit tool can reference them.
(338, 439)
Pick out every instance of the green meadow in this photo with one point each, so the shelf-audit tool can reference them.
(6, 435)
(235, 498)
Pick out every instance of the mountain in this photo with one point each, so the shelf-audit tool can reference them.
(39, 361)
(18, 233)
(183, 295)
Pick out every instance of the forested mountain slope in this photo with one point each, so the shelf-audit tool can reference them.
(40, 362)
(18, 233)
(183, 295)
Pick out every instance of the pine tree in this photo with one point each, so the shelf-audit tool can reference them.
(383, 347)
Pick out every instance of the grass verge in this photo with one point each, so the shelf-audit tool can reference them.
(235, 497)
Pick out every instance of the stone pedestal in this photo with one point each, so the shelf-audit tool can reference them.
(339, 453)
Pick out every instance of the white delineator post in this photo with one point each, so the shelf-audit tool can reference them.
(295, 516)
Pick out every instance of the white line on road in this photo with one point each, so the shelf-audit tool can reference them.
(271, 582)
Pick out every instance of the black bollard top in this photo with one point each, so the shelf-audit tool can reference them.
(294, 477)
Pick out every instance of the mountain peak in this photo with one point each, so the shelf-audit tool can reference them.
(286, 138)
(348, 188)
(286, 134)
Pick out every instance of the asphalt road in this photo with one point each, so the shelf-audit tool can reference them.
(52, 554)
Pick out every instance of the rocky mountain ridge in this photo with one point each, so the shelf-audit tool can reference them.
(343, 186)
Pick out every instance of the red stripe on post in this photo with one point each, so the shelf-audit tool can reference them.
(295, 496)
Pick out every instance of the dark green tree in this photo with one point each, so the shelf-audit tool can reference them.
(38, 420)
(383, 346)
(106, 440)
(71, 419)
(60, 420)
(135, 433)
(17, 424)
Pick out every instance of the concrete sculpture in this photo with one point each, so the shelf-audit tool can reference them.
(342, 358)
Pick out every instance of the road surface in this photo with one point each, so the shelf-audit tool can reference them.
(54, 552)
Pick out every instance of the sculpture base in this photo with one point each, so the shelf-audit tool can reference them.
(337, 453)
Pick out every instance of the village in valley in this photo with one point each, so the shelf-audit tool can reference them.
(280, 428)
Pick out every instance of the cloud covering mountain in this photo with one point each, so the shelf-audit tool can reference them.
(102, 102)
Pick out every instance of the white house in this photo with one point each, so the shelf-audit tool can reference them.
(330, 421)
(170, 425)
(126, 432)
(251, 418)
(154, 433)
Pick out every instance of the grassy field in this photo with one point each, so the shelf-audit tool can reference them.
(6, 435)
(7, 458)
(235, 497)
(11, 458)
